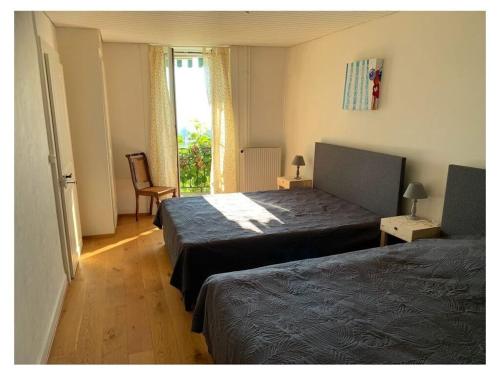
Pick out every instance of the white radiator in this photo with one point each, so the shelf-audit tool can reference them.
(260, 167)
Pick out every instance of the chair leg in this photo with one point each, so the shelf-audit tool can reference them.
(157, 201)
(151, 206)
(136, 208)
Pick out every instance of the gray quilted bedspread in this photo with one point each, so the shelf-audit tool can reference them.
(422, 302)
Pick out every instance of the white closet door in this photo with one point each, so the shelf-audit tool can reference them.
(64, 157)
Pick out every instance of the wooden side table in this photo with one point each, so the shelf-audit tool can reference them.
(292, 183)
(406, 229)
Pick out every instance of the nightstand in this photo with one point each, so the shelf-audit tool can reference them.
(407, 229)
(292, 183)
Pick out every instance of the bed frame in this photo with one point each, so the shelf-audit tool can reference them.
(464, 211)
(369, 179)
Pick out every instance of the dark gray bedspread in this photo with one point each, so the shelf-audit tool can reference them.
(422, 302)
(229, 232)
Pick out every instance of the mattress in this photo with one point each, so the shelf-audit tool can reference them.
(218, 233)
(421, 302)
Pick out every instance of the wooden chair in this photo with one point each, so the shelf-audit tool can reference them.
(139, 169)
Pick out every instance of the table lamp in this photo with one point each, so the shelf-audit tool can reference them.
(415, 191)
(298, 160)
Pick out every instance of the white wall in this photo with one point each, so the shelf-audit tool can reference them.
(258, 82)
(45, 29)
(127, 78)
(258, 78)
(40, 278)
(432, 106)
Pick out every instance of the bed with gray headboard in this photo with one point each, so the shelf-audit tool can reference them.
(418, 302)
(218, 233)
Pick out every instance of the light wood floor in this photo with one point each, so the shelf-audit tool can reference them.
(121, 308)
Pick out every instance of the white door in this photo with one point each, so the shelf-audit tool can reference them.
(64, 158)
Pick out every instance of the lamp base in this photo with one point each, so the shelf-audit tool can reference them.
(413, 212)
(297, 176)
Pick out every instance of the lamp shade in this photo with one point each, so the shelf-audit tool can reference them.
(415, 190)
(298, 160)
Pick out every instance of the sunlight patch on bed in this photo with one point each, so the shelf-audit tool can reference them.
(242, 210)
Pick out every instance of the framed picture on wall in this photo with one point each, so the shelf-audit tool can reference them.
(362, 85)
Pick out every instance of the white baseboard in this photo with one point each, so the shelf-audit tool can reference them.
(54, 322)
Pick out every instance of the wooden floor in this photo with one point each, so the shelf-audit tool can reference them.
(121, 308)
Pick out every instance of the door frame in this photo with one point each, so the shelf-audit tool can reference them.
(169, 57)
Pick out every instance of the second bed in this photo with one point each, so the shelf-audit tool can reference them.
(418, 302)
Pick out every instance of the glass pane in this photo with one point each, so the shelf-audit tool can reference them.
(194, 127)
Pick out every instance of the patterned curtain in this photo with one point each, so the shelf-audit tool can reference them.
(162, 133)
(223, 173)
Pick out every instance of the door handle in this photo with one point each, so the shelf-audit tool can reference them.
(65, 180)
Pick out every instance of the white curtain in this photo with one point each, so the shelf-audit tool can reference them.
(223, 172)
(162, 133)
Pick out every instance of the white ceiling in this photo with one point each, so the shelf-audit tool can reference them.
(214, 28)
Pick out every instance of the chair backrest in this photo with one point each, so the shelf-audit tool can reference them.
(139, 169)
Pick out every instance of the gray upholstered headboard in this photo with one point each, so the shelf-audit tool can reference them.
(369, 179)
(464, 210)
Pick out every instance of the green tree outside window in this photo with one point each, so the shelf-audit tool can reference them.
(195, 159)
